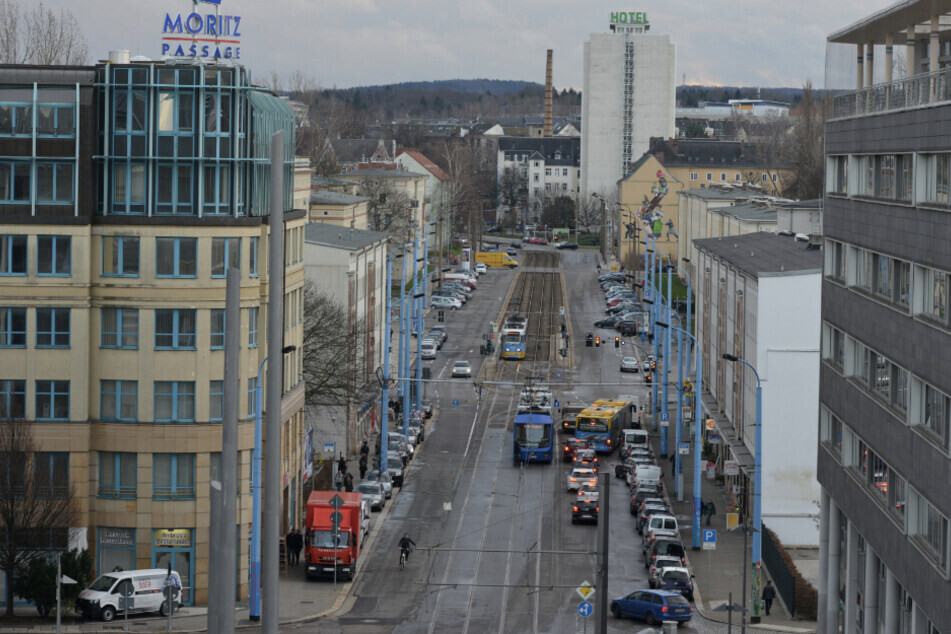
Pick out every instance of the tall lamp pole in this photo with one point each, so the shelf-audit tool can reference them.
(757, 487)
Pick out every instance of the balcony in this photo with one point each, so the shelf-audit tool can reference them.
(926, 89)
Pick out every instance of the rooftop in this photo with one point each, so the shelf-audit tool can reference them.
(718, 193)
(765, 254)
(378, 172)
(895, 19)
(341, 237)
(749, 212)
(333, 198)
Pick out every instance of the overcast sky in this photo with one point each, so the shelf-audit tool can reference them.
(347, 43)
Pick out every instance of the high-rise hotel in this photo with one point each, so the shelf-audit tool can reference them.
(127, 189)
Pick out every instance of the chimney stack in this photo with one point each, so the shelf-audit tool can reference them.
(548, 97)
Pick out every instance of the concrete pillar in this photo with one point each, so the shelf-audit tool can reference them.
(851, 577)
(933, 51)
(870, 607)
(823, 557)
(911, 65)
(892, 606)
(869, 63)
(860, 61)
(832, 587)
(889, 62)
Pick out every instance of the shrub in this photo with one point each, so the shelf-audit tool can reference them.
(807, 597)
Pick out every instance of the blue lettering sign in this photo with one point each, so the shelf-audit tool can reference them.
(194, 25)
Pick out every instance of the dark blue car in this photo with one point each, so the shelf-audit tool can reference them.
(653, 606)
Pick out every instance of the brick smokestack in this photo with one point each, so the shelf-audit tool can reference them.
(548, 99)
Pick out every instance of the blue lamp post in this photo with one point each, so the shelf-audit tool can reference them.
(256, 460)
(757, 486)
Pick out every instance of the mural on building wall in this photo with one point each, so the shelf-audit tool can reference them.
(650, 213)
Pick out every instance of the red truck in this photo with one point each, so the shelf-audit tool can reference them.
(322, 557)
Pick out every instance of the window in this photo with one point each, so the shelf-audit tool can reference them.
(54, 183)
(55, 120)
(831, 431)
(14, 182)
(52, 400)
(547, 171)
(547, 187)
(217, 328)
(119, 400)
(252, 410)
(931, 294)
(52, 327)
(884, 481)
(217, 184)
(174, 401)
(16, 119)
(835, 260)
(117, 475)
(120, 256)
(216, 395)
(225, 254)
(564, 172)
(937, 178)
(53, 255)
(12, 254)
(12, 399)
(253, 259)
(535, 177)
(709, 176)
(12, 327)
(253, 327)
(128, 185)
(930, 411)
(693, 176)
(174, 329)
(173, 476)
(833, 346)
(174, 189)
(929, 527)
(119, 328)
(838, 175)
(175, 257)
(888, 381)
(723, 176)
(51, 474)
(861, 267)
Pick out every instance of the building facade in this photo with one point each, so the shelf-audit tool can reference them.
(628, 96)
(550, 167)
(885, 375)
(131, 189)
(758, 298)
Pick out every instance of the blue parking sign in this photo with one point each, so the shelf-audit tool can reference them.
(455, 403)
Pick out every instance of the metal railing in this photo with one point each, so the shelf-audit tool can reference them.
(783, 578)
(909, 92)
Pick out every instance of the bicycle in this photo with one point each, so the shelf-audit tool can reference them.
(404, 554)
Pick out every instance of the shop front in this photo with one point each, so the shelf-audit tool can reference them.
(116, 549)
(176, 546)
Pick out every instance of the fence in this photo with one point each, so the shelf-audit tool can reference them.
(783, 578)
(907, 92)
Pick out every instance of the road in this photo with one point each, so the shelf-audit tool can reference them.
(496, 550)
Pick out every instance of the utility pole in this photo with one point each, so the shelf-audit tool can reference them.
(604, 232)
(603, 550)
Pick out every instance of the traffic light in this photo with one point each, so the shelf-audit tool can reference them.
(617, 342)
(597, 342)
(441, 316)
(427, 373)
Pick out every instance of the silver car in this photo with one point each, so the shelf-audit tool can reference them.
(373, 493)
(461, 369)
(386, 482)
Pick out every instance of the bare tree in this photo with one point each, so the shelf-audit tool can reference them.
(335, 349)
(36, 502)
(40, 35)
(513, 188)
(589, 213)
(805, 145)
(389, 209)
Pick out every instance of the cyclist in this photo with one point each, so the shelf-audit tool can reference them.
(405, 545)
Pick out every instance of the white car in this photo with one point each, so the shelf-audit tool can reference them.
(427, 349)
(579, 476)
(461, 369)
(445, 302)
(481, 268)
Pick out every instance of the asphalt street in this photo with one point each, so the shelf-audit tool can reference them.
(496, 549)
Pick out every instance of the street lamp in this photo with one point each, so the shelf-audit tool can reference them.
(255, 599)
(757, 484)
(754, 618)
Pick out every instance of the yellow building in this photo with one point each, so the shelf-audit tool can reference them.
(112, 297)
(649, 193)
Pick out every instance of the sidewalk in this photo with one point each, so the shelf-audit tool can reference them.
(718, 572)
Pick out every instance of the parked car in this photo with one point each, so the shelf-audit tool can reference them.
(629, 364)
(567, 245)
(511, 251)
(427, 349)
(373, 493)
(441, 301)
(660, 563)
(646, 512)
(395, 468)
(653, 606)
(461, 369)
(671, 547)
(386, 481)
(441, 330)
(427, 406)
(627, 328)
(516, 245)
(677, 580)
(660, 524)
(640, 495)
(481, 268)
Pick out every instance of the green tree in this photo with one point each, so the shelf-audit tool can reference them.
(37, 584)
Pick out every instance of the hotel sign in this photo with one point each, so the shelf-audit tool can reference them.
(629, 17)
(203, 35)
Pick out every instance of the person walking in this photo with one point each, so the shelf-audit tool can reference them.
(338, 480)
(289, 547)
(363, 466)
(348, 482)
(298, 545)
(711, 511)
(769, 593)
(342, 464)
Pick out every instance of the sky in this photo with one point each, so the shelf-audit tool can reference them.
(345, 43)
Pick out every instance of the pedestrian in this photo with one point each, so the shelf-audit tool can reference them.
(599, 268)
(363, 466)
(342, 464)
(711, 511)
(298, 545)
(338, 480)
(769, 593)
(289, 547)
(364, 448)
(348, 482)
(673, 461)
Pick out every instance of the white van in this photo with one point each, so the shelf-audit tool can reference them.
(103, 598)
(460, 277)
(646, 474)
(635, 439)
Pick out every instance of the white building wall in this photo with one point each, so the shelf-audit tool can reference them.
(788, 363)
(602, 104)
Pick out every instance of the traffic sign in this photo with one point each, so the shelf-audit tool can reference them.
(684, 449)
(731, 468)
(336, 517)
(556, 403)
(709, 539)
(585, 590)
(665, 416)
(455, 402)
(585, 609)
(336, 502)
(710, 424)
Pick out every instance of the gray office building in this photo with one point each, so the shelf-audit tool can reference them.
(885, 373)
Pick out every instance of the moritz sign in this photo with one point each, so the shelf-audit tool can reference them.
(204, 35)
